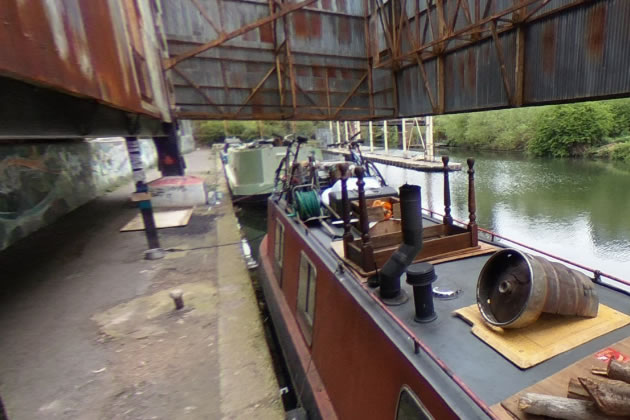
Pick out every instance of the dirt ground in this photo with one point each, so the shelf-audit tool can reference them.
(89, 330)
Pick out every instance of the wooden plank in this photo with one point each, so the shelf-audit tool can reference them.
(557, 384)
(401, 162)
(163, 219)
(546, 338)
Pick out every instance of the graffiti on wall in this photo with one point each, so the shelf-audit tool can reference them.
(41, 182)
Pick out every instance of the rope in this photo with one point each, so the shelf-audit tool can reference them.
(307, 203)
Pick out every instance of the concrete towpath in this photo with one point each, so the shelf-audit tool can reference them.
(88, 330)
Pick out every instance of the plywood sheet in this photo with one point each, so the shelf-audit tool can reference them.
(163, 219)
(558, 383)
(546, 338)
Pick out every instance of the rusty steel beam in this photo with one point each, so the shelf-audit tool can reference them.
(189, 115)
(448, 36)
(327, 89)
(257, 87)
(451, 27)
(170, 62)
(301, 108)
(423, 72)
(350, 95)
(308, 97)
(499, 50)
(519, 64)
(206, 16)
(196, 87)
(368, 53)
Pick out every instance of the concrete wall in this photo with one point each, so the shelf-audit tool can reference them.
(186, 139)
(41, 182)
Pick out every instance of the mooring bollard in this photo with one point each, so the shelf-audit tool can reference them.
(178, 297)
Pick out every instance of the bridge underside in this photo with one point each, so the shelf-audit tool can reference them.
(379, 59)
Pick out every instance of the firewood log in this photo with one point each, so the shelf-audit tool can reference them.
(619, 371)
(559, 407)
(611, 397)
(577, 391)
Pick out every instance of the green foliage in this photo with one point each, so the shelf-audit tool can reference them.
(621, 152)
(208, 132)
(569, 130)
(508, 129)
(451, 128)
(620, 109)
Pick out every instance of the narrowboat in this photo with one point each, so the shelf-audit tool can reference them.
(250, 168)
(385, 312)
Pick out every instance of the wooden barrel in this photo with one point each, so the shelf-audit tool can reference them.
(514, 288)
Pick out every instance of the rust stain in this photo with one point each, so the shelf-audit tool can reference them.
(332, 73)
(471, 70)
(302, 71)
(344, 32)
(316, 25)
(596, 31)
(247, 36)
(300, 25)
(461, 70)
(73, 47)
(255, 67)
(266, 33)
(318, 72)
(549, 47)
(346, 74)
(326, 4)
(341, 6)
(257, 101)
(320, 84)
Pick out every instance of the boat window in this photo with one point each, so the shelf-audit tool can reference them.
(279, 243)
(306, 294)
(410, 407)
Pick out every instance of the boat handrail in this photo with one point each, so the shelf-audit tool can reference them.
(493, 235)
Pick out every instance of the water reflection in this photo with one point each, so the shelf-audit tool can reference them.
(577, 209)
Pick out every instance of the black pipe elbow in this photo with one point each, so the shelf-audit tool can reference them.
(411, 225)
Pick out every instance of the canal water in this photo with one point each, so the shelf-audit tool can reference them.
(577, 209)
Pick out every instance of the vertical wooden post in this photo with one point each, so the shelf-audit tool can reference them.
(345, 126)
(338, 133)
(448, 220)
(345, 208)
(367, 253)
(332, 133)
(404, 135)
(385, 136)
(472, 206)
(370, 133)
(429, 155)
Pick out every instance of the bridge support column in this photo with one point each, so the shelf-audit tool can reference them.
(170, 159)
(143, 198)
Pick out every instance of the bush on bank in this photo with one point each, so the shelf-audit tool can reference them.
(558, 131)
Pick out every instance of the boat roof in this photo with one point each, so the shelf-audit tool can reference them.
(492, 377)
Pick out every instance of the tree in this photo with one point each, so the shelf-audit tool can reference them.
(568, 130)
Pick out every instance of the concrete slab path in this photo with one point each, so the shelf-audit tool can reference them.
(88, 330)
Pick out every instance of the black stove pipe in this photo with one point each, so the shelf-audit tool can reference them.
(411, 224)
